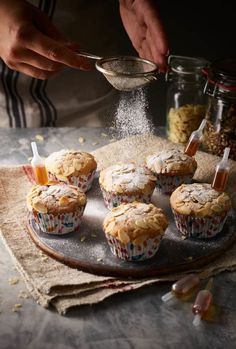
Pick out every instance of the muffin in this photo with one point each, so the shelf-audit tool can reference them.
(172, 168)
(56, 209)
(134, 230)
(124, 183)
(72, 167)
(199, 210)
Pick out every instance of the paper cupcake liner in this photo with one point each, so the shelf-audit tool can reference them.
(84, 182)
(113, 200)
(131, 252)
(58, 224)
(199, 227)
(167, 184)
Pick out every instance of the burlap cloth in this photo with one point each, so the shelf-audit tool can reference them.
(52, 283)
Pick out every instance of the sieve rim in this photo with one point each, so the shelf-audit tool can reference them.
(108, 72)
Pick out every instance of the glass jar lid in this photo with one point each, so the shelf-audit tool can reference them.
(222, 74)
(185, 66)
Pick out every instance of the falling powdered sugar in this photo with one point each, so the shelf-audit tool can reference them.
(131, 115)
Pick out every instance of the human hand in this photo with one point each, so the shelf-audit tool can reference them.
(31, 44)
(144, 27)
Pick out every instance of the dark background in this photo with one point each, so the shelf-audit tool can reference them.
(194, 28)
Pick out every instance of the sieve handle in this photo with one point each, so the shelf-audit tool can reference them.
(88, 55)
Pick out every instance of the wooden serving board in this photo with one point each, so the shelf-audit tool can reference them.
(88, 250)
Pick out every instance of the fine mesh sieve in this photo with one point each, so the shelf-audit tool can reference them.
(125, 73)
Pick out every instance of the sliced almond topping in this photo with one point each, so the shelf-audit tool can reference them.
(82, 200)
(63, 201)
(110, 226)
(77, 164)
(123, 237)
(153, 225)
(141, 224)
(62, 178)
(139, 240)
(39, 207)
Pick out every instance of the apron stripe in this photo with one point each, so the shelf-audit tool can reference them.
(14, 104)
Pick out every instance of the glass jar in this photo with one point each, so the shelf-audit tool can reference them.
(220, 129)
(186, 102)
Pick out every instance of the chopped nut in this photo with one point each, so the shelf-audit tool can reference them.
(16, 307)
(81, 140)
(82, 238)
(23, 294)
(13, 280)
(39, 138)
(104, 134)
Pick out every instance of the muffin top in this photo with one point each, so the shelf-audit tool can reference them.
(127, 178)
(65, 163)
(171, 162)
(59, 198)
(199, 199)
(135, 222)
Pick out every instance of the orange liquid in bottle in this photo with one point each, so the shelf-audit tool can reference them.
(41, 175)
(220, 180)
(192, 147)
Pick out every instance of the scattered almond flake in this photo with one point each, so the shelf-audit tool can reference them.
(39, 138)
(190, 258)
(44, 258)
(13, 280)
(104, 134)
(30, 158)
(81, 140)
(82, 238)
(23, 294)
(94, 235)
(99, 259)
(95, 143)
(16, 307)
(183, 237)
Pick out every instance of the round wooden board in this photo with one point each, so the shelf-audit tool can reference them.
(88, 250)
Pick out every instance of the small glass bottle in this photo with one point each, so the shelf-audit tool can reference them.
(220, 130)
(186, 102)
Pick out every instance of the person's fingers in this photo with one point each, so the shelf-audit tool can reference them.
(55, 51)
(34, 72)
(157, 56)
(156, 30)
(145, 51)
(37, 61)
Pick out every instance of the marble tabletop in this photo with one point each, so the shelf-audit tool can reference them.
(129, 320)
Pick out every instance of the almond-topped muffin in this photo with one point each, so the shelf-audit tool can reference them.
(134, 230)
(56, 209)
(199, 210)
(72, 167)
(172, 168)
(124, 183)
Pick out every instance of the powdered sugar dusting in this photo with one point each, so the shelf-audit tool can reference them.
(129, 177)
(131, 116)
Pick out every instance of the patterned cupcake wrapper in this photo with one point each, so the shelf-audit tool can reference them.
(199, 227)
(131, 252)
(59, 224)
(84, 182)
(113, 200)
(167, 184)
